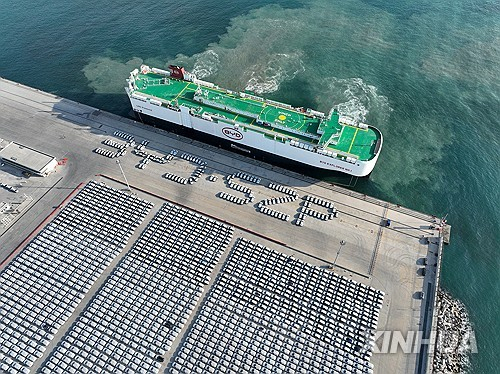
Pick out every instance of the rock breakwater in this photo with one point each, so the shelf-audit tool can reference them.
(455, 338)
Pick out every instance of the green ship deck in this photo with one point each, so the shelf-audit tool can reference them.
(274, 119)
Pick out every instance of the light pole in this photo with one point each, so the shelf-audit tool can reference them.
(124, 177)
(342, 243)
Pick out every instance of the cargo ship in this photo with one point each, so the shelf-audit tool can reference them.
(252, 124)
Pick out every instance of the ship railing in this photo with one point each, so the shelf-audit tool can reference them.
(327, 152)
(294, 131)
(250, 96)
(139, 97)
(205, 83)
(155, 82)
(278, 104)
(226, 108)
(209, 102)
(153, 99)
(348, 121)
(302, 145)
(349, 157)
(308, 113)
(240, 112)
(315, 113)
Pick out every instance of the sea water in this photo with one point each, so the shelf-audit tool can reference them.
(427, 73)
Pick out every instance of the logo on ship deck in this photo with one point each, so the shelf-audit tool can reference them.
(232, 133)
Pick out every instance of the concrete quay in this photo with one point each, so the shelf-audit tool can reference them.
(402, 260)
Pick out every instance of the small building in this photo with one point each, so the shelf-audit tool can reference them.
(28, 159)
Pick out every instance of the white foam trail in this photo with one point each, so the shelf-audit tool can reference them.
(356, 99)
(267, 77)
(261, 85)
(207, 63)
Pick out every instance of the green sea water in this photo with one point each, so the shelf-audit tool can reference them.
(427, 73)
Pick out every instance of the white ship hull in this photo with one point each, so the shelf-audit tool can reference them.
(252, 139)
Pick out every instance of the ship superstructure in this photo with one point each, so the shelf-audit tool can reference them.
(327, 141)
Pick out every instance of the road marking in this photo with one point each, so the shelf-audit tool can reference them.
(180, 93)
(263, 107)
(352, 142)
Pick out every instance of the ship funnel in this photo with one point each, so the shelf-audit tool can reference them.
(176, 71)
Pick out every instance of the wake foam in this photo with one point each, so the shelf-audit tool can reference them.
(206, 64)
(269, 75)
(355, 98)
